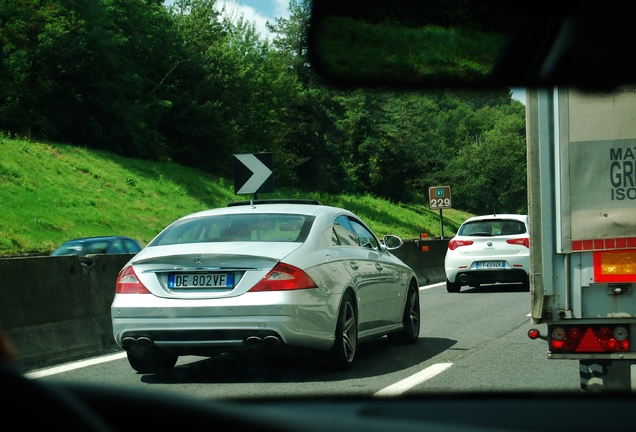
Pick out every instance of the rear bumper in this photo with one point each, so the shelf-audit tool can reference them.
(191, 337)
(186, 327)
(478, 277)
(201, 342)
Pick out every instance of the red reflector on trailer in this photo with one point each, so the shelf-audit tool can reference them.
(589, 343)
(615, 266)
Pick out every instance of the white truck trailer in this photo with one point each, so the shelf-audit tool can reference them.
(582, 208)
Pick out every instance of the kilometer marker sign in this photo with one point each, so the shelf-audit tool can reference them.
(253, 173)
(439, 197)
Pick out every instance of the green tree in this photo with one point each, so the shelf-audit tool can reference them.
(489, 174)
(197, 84)
(197, 128)
(236, 91)
(87, 71)
(308, 138)
(292, 38)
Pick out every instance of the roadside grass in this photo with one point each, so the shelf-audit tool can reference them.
(51, 192)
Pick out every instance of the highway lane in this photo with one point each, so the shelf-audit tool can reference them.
(474, 340)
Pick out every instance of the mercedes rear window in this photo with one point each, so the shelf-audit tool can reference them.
(237, 227)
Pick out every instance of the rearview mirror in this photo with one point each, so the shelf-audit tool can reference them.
(456, 43)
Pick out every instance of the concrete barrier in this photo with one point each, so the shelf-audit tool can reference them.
(426, 258)
(57, 308)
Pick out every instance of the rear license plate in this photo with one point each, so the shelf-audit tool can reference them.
(490, 264)
(201, 280)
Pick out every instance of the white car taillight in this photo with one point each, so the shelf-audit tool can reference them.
(454, 244)
(523, 241)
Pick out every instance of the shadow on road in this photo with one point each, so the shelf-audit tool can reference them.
(494, 288)
(374, 358)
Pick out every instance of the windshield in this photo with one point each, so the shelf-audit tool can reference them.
(137, 117)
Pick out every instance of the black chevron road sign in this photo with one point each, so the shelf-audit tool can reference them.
(253, 173)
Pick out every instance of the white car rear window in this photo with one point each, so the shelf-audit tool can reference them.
(492, 227)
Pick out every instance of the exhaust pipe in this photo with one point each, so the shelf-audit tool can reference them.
(463, 279)
(144, 342)
(271, 340)
(141, 343)
(128, 342)
(253, 340)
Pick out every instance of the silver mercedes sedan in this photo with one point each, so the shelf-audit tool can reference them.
(263, 274)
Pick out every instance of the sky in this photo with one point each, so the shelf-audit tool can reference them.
(519, 93)
(255, 11)
(260, 11)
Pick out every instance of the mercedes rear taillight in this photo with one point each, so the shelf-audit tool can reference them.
(284, 277)
(128, 283)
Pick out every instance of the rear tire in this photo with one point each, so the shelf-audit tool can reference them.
(345, 348)
(151, 361)
(411, 319)
(452, 287)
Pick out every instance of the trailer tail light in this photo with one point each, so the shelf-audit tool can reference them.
(589, 339)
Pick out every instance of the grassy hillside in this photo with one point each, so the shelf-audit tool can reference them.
(50, 193)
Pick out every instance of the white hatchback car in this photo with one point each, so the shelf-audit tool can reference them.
(489, 249)
(260, 275)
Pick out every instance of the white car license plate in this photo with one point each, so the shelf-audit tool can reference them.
(201, 280)
(490, 264)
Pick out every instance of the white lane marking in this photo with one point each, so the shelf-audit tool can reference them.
(75, 365)
(408, 383)
(425, 287)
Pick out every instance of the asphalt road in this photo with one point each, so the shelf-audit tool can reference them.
(474, 340)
